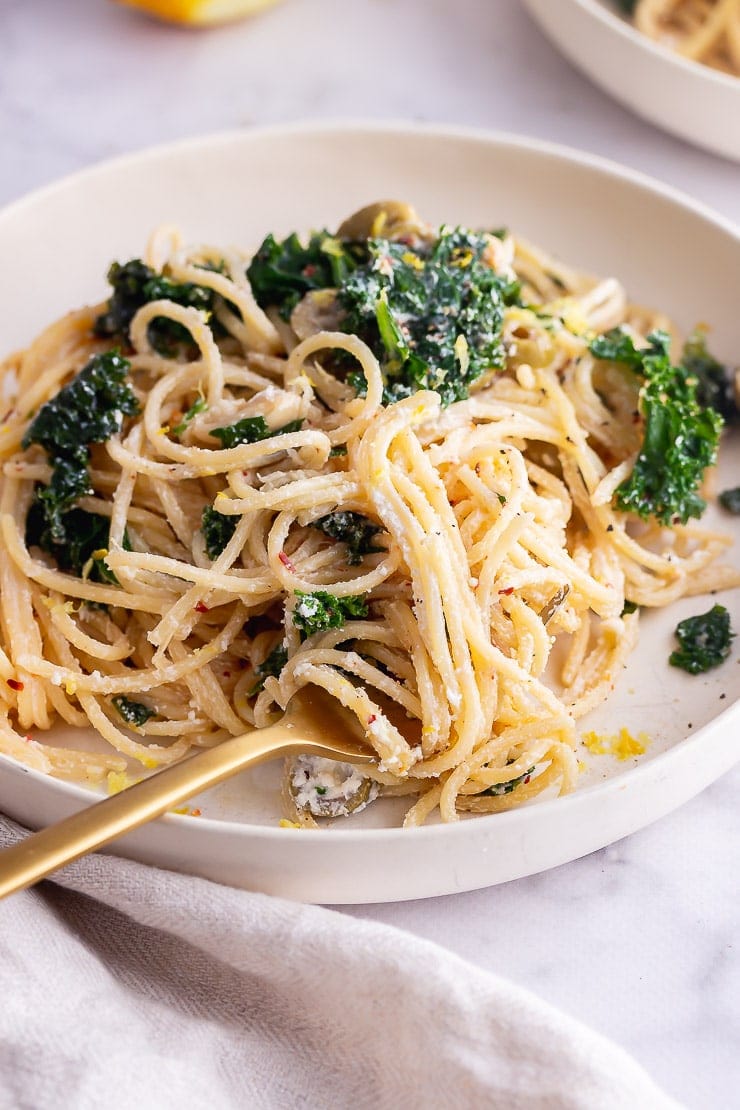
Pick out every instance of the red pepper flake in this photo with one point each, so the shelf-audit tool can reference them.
(15, 684)
(372, 719)
(286, 562)
(309, 271)
(227, 674)
(507, 591)
(28, 739)
(527, 779)
(196, 813)
(201, 608)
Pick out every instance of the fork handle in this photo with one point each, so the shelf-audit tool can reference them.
(43, 852)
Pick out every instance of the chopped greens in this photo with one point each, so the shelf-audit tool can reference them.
(704, 641)
(271, 666)
(133, 712)
(715, 386)
(629, 608)
(500, 788)
(432, 316)
(282, 273)
(353, 529)
(315, 612)
(89, 409)
(199, 405)
(252, 429)
(136, 284)
(85, 546)
(680, 437)
(217, 529)
(729, 499)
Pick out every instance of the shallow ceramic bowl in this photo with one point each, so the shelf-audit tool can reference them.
(55, 247)
(690, 100)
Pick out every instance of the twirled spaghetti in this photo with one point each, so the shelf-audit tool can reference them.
(494, 535)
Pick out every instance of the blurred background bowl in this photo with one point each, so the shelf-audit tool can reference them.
(693, 101)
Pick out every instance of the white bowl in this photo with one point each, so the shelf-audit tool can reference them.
(693, 101)
(55, 247)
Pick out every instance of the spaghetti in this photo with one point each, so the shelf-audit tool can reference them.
(706, 31)
(266, 524)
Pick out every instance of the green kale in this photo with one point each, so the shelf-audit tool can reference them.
(252, 429)
(680, 437)
(315, 612)
(432, 316)
(729, 499)
(281, 273)
(85, 535)
(353, 529)
(217, 529)
(133, 712)
(500, 788)
(136, 284)
(617, 346)
(89, 409)
(715, 388)
(272, 665)
(199, 405)
(629, 608)
(704, 641)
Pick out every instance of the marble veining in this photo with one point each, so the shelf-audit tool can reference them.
(639, 940)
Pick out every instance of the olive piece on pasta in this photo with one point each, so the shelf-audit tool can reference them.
(327, 788)
(386, 218)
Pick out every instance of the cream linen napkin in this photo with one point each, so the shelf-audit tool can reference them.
(125, 986)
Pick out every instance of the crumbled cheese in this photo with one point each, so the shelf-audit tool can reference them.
(328, 788)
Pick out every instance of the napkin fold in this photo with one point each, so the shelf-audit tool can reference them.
(123, 986)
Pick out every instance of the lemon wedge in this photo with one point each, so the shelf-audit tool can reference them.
(198, 12)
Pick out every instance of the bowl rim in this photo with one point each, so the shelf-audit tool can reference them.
(603, 11)
(653, 768)
(609, 167)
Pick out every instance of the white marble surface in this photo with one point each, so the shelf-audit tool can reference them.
(639, 940)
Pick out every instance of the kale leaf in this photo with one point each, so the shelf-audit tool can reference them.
(87, 536)
(217, 529)
(704, 641)
(315, 612)
(272, 665)
(433, 316)
(199, 405)
(353, 529)
(133, 712)
(500, 788)
(136, 284)
(715, 388)
(252, 429)
(729, 499)
(89, 409)
(680, 437)
(281, 273)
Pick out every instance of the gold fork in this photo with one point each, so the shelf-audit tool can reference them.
(314, 724)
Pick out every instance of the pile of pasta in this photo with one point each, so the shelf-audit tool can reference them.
(496, 597)
(706, 31)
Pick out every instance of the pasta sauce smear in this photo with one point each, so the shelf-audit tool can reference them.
(399, 462)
